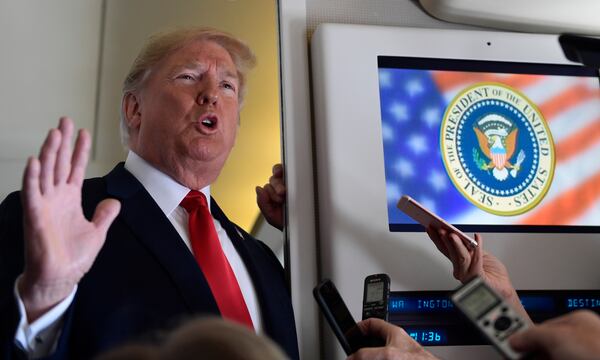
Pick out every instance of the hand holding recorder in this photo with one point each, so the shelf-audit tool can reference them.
(574, 336)
(398, 344)
(492, 315)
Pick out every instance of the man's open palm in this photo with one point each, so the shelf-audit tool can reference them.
(60, 243)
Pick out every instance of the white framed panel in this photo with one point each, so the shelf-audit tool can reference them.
(353, 232)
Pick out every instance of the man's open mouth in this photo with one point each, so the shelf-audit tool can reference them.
(209, 121)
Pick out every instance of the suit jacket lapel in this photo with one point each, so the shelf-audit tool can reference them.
(251, 255)
(155, 231)
(269, 282)
(236, 238)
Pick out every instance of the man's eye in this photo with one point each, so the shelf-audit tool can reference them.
(228, 86)
(186, 77)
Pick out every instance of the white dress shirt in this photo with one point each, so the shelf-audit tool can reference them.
(40, 337)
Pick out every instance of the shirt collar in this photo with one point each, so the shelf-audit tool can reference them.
(165, 191)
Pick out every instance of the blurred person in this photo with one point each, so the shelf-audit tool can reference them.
(88, 265)
(219, 340)
(203, 338)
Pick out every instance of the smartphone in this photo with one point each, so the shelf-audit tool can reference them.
(340, 320)
(376, 296)
(426, 218)
(492, 316)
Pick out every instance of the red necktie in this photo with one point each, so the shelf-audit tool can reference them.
(209, 255)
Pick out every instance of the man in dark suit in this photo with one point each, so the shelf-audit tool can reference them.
(85, 286)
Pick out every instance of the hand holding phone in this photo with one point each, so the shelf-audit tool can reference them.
(428, 219)
(340, 320)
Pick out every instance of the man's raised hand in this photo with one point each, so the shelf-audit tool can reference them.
(60, 243)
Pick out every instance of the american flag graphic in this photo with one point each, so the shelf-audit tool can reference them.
(413, 103)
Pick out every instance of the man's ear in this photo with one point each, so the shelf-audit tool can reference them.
(132, 111)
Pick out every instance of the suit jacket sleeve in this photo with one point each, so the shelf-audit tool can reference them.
(11, 266)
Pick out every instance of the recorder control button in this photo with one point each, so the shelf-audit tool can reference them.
(502, 323)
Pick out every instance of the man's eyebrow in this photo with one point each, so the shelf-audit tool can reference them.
(187, 66)
(197, 65)
(229, 74)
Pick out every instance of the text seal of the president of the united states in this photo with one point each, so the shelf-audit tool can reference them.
(497, 148)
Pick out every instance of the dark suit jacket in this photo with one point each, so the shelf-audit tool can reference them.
(144, 279)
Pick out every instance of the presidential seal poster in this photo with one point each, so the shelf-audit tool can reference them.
(497, 148)
(491, 146)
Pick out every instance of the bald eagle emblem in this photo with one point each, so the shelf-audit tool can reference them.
(497, 148)
(497, 138)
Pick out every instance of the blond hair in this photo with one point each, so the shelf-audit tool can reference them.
(160, 45)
